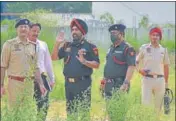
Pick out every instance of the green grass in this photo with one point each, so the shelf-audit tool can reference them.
(131, 103)
(135, 111)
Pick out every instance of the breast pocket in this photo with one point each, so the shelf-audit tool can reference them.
(30, 53)
(67, 58)
(161, 58)
(17, 53)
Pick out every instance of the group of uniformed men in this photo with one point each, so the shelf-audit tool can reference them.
(80, 58)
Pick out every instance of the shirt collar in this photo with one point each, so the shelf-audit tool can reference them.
(150, 45)
(19, 41)
(37, 41)
(118, 45)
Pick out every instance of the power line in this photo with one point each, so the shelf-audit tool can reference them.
(131, 9)
(135, 11)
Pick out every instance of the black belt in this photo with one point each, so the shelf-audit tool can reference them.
(115, 78)
(73, 79)
(154, 76)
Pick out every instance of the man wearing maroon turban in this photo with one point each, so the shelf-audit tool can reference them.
(154, 68)
(80, 57)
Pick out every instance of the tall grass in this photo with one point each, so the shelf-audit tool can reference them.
(128, 106)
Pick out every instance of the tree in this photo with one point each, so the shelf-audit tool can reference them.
(169, 25)
(107, 17)
(121, 21)
(144, 22)
(154, 25)
(44, 17)
(58, 7)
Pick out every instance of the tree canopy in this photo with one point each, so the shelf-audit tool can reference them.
(56, 7)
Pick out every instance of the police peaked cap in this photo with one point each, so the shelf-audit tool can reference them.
(82, 26)
(22, 22)
(119, 27)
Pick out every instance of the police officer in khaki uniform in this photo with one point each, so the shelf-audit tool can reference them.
(18, 57)
(80, 57)
(153, 63)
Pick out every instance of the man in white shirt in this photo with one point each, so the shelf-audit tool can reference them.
(45, 65)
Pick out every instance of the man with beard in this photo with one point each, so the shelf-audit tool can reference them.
(18, 57)
(153, 64)
(45, 66)
(80, 57)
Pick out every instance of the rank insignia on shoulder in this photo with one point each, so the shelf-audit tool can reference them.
(95, 50)
(148, 50)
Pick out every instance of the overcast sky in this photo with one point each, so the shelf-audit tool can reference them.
(159, 12)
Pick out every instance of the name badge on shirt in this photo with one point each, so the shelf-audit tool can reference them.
(118, 52)
(68, 49)
(17, 48)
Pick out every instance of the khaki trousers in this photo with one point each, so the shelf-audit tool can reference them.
(155, 86)
(18, 92)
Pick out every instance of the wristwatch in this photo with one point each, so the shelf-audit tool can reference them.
(126, 82)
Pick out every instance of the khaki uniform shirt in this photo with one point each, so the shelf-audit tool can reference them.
(153, 59)
(18, 57)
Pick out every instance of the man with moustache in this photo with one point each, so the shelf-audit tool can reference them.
(45, 66)
(153, 64)
(18, 57)
(80, 57)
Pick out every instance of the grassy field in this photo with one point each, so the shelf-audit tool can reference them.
(57, 107)
(134, 110)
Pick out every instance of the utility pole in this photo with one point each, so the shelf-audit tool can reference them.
(134, 27)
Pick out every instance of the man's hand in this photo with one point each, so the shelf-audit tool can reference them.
(124, 87)
(60, 38)
(2, 91)
(81, 54)
(51, 84)
(42, 89)
(144, 72)
(103, 82)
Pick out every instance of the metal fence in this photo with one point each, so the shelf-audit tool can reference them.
(101, 34)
